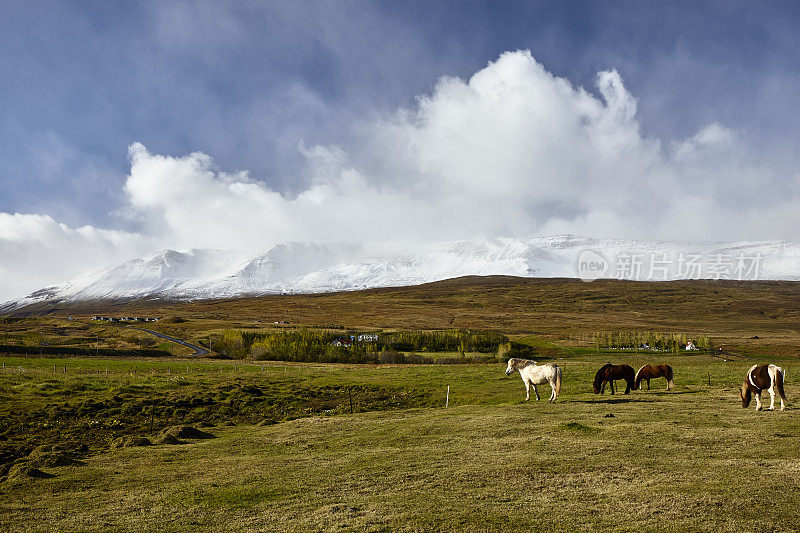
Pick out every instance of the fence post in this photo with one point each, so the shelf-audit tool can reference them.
(447, 401)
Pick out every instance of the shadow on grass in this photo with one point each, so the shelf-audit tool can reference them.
(610, 400)
(669, 393)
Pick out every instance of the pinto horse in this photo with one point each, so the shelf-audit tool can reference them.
(648, 372)
(608, 373)
(764, 377)
(533, 374)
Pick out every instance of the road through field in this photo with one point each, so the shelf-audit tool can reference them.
(199, 351)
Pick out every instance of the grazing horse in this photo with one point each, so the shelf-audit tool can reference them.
(608, 373)
(764, 377)
(648, 372)
(533, 374)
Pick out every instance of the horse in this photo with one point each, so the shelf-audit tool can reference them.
(533, 374)
(648, 372)
(608, 373)
(764, 377)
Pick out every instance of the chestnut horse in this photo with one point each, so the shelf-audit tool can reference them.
(648, 372)
(608, 373)
(764, 377)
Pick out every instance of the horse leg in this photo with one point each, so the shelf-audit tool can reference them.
(536, 392)
(758, 401)
(771, 392)
(627, 387)
(527, 390)
(552, 390)
(611, 383)
(648, 383)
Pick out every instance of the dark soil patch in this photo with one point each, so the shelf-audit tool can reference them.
(188, 432)
(168, 439)
(25, 471)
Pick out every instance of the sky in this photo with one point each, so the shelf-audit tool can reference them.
(130, 127)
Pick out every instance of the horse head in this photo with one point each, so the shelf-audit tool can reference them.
(598, 382)
(745, 394)
(600, 377)
(513, 364)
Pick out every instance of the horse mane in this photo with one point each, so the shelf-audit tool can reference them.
(636, 377)
(518, 363)
(598, 378)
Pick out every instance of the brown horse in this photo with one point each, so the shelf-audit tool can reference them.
(608, 373)
(648, 372)
(759, 378)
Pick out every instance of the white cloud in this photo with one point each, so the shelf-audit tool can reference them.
(513, 151)
(36, 251)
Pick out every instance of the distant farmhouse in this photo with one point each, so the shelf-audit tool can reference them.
(125, 319)
(348, 341)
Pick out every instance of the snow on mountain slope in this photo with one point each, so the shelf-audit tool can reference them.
(308, 267)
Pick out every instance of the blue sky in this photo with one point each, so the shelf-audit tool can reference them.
(246, 81)
(286, 91)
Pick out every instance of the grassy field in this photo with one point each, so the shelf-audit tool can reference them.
(311, 446)
(690, 459)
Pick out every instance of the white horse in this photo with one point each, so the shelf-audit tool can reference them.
(533, 374)
(759, 378)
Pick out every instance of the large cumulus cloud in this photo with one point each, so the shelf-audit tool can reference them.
(513, 151)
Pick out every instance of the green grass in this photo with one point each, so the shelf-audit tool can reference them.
(296, 459)
(652, 460)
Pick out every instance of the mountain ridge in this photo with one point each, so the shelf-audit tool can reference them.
(302, 268)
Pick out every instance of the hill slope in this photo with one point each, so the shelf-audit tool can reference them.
(298, 268)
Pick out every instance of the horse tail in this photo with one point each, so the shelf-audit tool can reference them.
(670, 383)
(558, 380)
(780, 376)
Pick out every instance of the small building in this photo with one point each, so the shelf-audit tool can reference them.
(690, 346)
(345, 343)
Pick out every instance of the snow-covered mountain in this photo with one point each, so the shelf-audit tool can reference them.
(310, 268)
